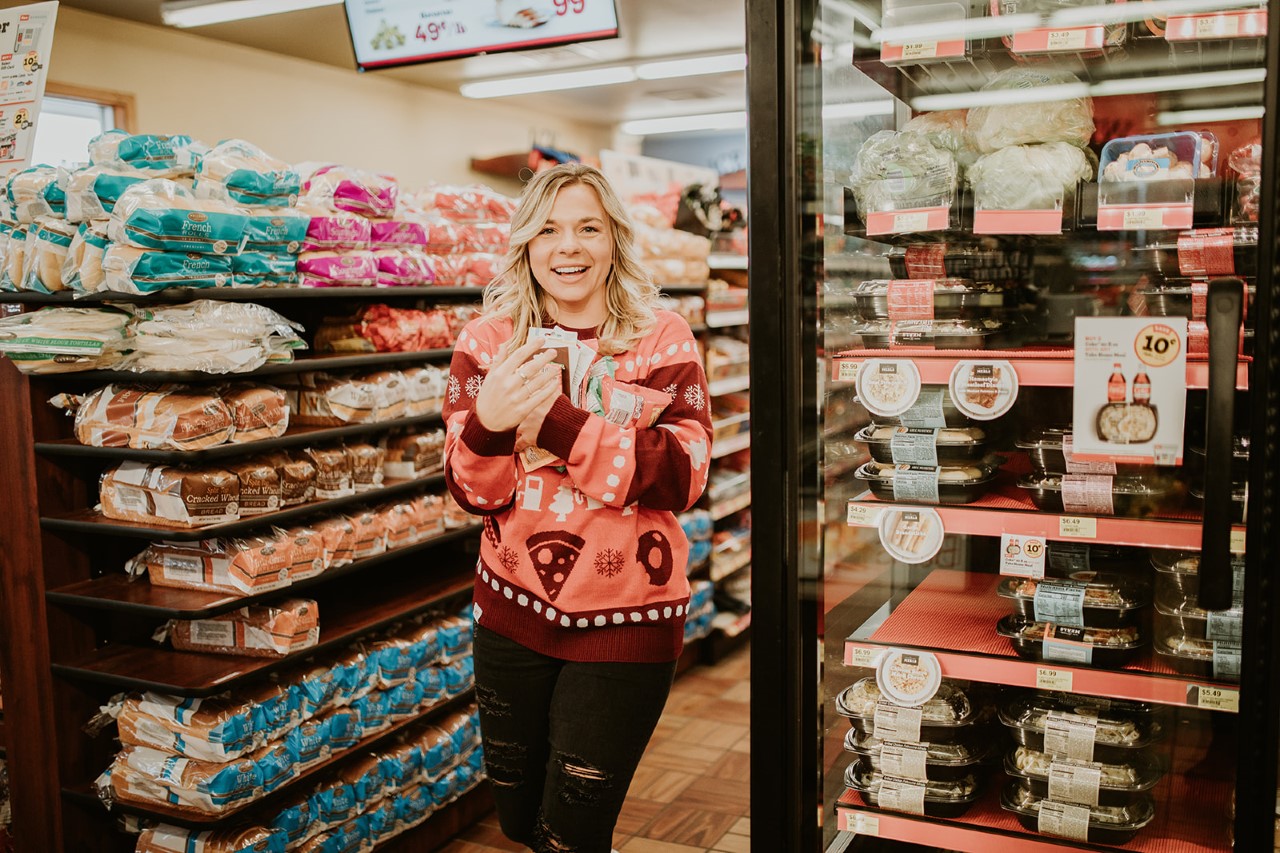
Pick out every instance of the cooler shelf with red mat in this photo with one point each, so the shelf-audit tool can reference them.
(954, 614)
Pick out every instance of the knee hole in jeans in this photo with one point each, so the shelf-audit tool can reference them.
(584, 784)
(504, 762)
(489, 702)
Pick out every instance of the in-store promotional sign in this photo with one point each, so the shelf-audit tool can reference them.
(1130, 389)
(386, 33)
(26, 40)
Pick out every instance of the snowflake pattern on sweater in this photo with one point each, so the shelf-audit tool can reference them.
(585, 560)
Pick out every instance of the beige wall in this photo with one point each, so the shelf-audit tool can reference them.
(294, 109)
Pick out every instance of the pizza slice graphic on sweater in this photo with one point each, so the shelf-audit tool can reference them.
(554, 554)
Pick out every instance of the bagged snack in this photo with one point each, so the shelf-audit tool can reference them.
(148, 417)
(35, 192)
(155, 155)
(354, 190)
(256, 631)
(92, 192)
(166, 495)
(160, 214)
(998, 126)
(242, 173)
(48, 246)
(337, 269)
(335, 230)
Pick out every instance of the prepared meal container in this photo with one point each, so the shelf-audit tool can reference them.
(1101, 825)
(1074, 781)
(1197, 656)
(934, 798)
(947, 716)
(972, 334)
(932, 408)
(1205, 252)
(1180, 616)
(1239, 500)
(928, 299)
(892, 445)
(1049, 449)
(1158, 157)
(1195, 461)
(1063, 558)
(1178, 575)
(1101, 647)
(949, 484)
(1083, 598)
(1180, 297)
(933, 762)
(1126, 495)
(948, 260)
(1082, 727)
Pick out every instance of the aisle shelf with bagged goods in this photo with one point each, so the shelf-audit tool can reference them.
(77, 629)
(1005, 245)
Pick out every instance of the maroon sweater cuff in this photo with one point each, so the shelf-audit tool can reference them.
(561, 426)
(483, 442)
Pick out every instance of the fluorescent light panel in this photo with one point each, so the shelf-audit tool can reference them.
(548, 82)
(195, 14)
(858, 110)
(692, 67)
(685, 124)
(1208, 116)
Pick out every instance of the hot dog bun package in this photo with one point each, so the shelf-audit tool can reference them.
(161, 214)
(155, 155)
(241, 173)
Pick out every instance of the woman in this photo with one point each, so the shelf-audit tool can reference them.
(581, 590)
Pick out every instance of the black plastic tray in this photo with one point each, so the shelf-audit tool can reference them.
(1098, 833)
(1149, 774)
(1102, 657)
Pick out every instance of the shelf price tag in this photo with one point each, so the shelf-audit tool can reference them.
(860, 656)
(847, 371)
(1049, 678)
(1214, 698)
(1022, 556)
(1077, 527)
(860, 823)
(1237, 541)
(861, 515)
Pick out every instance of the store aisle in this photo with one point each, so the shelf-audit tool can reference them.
(691, 791)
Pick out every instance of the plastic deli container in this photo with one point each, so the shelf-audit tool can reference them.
(923, 445)
(940, 799)
(1083, 727)
(1206, 253)
(928, 299)
(1085, 598)
(1178, 578)
(1045, 641)
(946, 717)
(1099, 494)
(1106, 824)
(918, 484)
(1047, 446)
(1239, 461)
(974, 334)
(933, 408)
(1239, 500)
(1194, 655)
(1118, 784)
(1182, 298)
(1063, 558)
(942, 762)
(1156, 157)
(979, 263)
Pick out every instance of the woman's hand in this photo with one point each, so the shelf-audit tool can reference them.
(516, 385)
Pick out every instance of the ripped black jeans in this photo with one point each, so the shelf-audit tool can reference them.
(562, 740)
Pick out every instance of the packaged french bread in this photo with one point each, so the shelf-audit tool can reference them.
(149, 417)
(366, 465)
(48, 247)
(259, 486)
(91, 192)
(165, 838)
(161, 214)
(333, 472)
(152, 154)
(129, 269)
(82, 268)
(241, 173)
(256, 631)
(168, 495)
(259, 411)
(36, 192)
(276, 230)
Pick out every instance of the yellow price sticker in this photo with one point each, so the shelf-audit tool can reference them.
(1214, 698)
(1053, 679)
(1077, 527)
(1237, 542)
(860, 656)
(1157, 345)
(847, 371)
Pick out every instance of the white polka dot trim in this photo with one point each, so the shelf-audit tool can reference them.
(653, 615)
(582, 623)
(551, 614)
(619, 461)
(631, 365)
(485, 574)
(673, 349)
(625, 443)
(496, 586)
(537, 606)
(613, 480)
(666, 613)
(600, 620)
(618, 618)
(679, 609)
(688, 347)
(471, 344)
(657, 357)
(484, 358)
(481, 501)
(608, 496)
(636, 617)
(566, 621)
(523, 601)
(507, 593)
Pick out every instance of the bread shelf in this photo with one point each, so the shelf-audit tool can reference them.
(240, 294)
(954, 614)
(359, 361)
(359, 611)
(732, 444)
(93, 523)
(1008, 509)
(729, 385)
(1043, 367)
(725, 261)
(721, 569)
(728, 319)
(295, 436)
(728, 506)
(262, 805)
(117, 592)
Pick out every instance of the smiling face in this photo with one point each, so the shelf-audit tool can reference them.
(571, 257)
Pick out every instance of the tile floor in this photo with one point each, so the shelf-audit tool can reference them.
(691, 791)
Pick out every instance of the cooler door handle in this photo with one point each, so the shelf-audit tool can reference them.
(1225, 302)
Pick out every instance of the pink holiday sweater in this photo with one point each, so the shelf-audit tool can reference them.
(585, 560)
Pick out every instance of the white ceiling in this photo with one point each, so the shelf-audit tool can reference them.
(649, 29)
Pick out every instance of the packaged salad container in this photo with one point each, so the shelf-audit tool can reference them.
(944, 260)
(1049, 449)
(1084, 728)
(1098, 824)
(1070, 780)
(928, 299)
(966, 334)
(1085, 598)
(933, 762)
(951, 798)
(948, 716)
(1046, 641)
(1126, 495)
(952, 484)
(897, 445)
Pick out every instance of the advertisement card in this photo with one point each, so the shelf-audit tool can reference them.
(1130, 389)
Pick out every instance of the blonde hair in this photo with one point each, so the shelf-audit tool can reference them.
(630, 293)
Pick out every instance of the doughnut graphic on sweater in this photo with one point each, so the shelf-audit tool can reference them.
(554, 554)
(654, 554)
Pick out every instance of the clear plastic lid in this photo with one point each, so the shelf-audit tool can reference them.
(1173, 602)
(1141, 773)
(950, 706)
(946, 437)
(936, 328)
(881, 286)
(1017, 798)
(1118, 723)
(1101, 589)
(1176, 562)
(1044, 438)
(958, 475)
(866, 781)
(958, 753)
(1121, 484)
(1022, 628)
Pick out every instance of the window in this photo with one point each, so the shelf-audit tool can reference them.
(71, 116)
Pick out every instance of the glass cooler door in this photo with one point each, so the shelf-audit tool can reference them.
(1019, 259)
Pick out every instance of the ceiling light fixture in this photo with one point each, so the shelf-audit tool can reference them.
(200, 13)
(692, 67)
(858, 109)
(548, 82)
(1209, 116)
(684, 124)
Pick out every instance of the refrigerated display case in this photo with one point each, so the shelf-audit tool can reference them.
(1016, 590)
